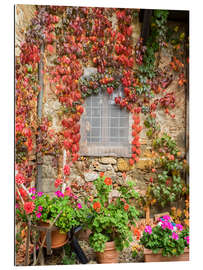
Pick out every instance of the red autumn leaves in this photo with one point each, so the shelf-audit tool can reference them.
(136, 129)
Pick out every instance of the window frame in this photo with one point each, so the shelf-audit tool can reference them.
(99, 148)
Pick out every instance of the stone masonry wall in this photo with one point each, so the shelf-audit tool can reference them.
(88, 168)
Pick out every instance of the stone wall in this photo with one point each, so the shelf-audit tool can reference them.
(88, 168)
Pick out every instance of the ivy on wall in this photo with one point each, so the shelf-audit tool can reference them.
(76, 37)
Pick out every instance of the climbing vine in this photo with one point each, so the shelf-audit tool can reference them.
(74, 37)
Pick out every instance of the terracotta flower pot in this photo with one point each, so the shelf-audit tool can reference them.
(83, 234)
(58, 239)
(110, 254)
(151, 257)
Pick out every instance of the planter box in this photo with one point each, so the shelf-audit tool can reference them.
(151, 257)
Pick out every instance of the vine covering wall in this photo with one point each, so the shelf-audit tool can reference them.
(69, 40)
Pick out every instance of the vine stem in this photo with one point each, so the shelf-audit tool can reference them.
(20, 195)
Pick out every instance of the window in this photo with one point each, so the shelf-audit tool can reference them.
(105, 128)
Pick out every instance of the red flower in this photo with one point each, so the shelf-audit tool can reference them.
(58, 182)
(29, 207)
(97, 206)
(101, 174)
(66, 170)
(136, 233)
(108, 181)
(23, 193)
(151, 180)
(126, 207)
(20, 179)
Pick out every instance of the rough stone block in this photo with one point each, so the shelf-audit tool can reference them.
(144, 163)
(48, 171)
(48, 185)
(104, 168)
(108, 160)
(91, 176)
(123, 165)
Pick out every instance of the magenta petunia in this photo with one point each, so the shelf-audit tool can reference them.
(59, 194)
(148, 229)
(166, 217)
(32, 190)
(33, 197)
(40, 208)
(38, 215)
(187, 239)
(39, 194)
(79, 205)
(179, 227)
(175, 236)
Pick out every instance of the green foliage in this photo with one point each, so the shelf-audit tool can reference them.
(68, 219)
(167, 143)
(70, 256)
(152, 125)
(168, 185)
(112, 221)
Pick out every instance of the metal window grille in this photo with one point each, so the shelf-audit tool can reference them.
(104, 127)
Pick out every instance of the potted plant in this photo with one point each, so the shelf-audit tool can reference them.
(166, 241)
(63, 209)
(110, 219)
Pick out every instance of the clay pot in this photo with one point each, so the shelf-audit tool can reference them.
(151, 257)
(110, 254)
(83, 234)
(58, 239)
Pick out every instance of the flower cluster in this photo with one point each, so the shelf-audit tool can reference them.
(171, 238)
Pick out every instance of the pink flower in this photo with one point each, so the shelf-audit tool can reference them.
(39, 194)
(59, 194)
(148, 229)
(32, 190)
(187, 239)
(166, 217)
(40, 208)
(179, 227)
(175, 236)
(38, 215)
(33, 197)
(79, 205)
(169, 226)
